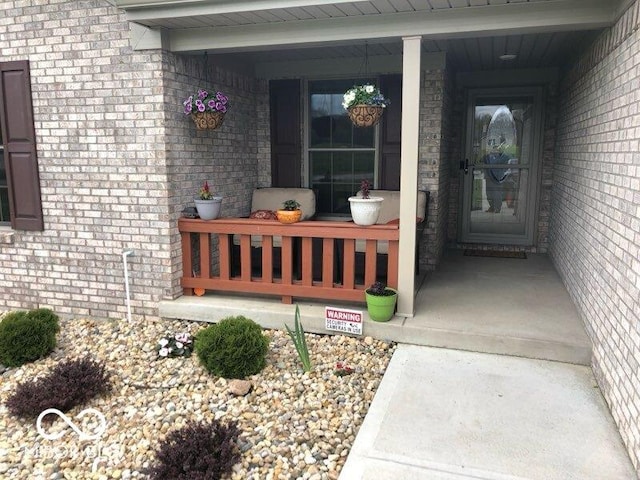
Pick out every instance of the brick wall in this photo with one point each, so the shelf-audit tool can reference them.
(595, 216)
(433, 163)
(448, 147)
(117, 159)
(457, 153)
(98, 115)
(226, 157)
(263, 135)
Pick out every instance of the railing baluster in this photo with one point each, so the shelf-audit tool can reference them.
(187, 260)
(224, 256)
(245, 258)
(267, 258)
(306, 258)
(205, 255)
(287, 266)
(327, 262)
(287, 260)
(370, 262)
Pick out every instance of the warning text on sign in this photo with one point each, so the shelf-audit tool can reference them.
(343, 320)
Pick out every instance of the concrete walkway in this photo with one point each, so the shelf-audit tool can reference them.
(446, 414)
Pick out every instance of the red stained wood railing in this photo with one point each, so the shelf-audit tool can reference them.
(335, 272)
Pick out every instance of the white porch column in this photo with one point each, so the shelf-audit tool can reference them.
(409, 172)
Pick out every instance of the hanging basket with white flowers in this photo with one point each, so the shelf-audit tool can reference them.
(364, 104)
(207, 110)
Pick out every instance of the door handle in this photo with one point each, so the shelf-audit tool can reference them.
(466, 166)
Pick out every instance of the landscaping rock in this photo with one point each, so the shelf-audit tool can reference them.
(293, 425)
(239, 388)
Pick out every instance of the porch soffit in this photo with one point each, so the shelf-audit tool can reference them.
(235, 25)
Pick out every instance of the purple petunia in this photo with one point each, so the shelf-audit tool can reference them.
(203, 101)
(222, 98)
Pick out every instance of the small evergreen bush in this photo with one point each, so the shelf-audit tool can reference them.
(68, 384)
(233, 348)
(198, 451)
(27, 336)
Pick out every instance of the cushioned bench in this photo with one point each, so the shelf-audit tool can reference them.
(264, 203)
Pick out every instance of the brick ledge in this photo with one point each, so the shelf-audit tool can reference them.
(6, 236)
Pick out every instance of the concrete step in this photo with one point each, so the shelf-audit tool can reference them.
(271, 313)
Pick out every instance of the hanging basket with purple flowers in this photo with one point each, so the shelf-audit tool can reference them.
(206, 109)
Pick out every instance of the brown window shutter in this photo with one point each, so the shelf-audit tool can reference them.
(286, 145)
(18, 132)
(391, 87)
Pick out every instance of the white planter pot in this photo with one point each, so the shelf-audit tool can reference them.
(365, 211)
(208, 209)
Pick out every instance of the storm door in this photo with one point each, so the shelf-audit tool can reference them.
(500, 169)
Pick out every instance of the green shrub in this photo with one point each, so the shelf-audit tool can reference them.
(233, 348)
(27, 336)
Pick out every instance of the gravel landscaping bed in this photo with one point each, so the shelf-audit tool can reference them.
(293, 424)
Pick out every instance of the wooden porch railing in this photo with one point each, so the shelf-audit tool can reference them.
(299, 245)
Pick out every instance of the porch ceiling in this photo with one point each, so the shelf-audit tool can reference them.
(236, 25)
(534, 50)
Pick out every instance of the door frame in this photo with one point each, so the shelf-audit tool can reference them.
(535, 170)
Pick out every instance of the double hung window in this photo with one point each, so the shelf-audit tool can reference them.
(340, 155)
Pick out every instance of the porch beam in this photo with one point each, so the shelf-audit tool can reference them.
(409, 173)
(378, 64)
(521, 18)
(154, 9)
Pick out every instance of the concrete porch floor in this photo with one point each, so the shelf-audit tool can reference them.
(482, 304)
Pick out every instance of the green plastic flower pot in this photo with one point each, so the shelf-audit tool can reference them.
(381, 307)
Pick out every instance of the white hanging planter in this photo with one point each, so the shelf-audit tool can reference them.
(365, 211)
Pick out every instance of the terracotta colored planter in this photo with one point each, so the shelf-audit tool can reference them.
(289, 216)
